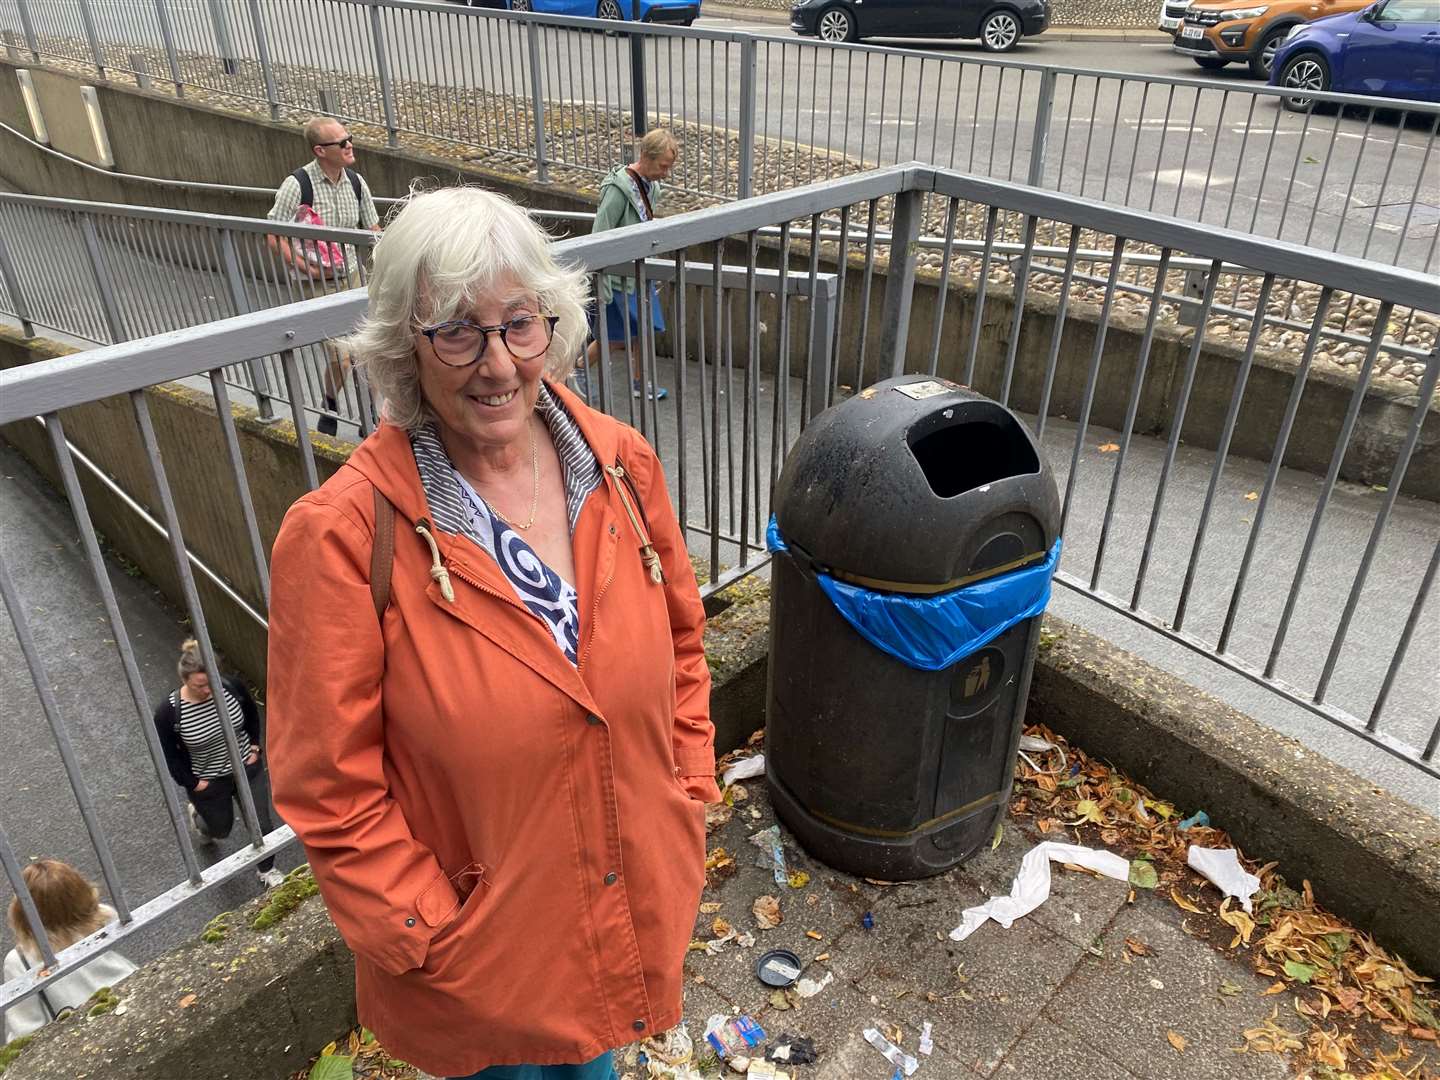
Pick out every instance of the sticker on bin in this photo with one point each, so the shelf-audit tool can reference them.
(927, 389)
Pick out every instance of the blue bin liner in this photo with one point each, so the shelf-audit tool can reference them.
(933, 632)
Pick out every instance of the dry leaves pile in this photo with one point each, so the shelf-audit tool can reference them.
(1341, 975)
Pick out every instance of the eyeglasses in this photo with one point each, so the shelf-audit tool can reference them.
(460, 342)
(344, 143)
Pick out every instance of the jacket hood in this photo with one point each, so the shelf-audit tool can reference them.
(386, 460)
(617, 177)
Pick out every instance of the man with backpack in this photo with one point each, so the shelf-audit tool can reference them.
(326, 190)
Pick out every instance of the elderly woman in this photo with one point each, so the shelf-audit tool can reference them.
(488, 699)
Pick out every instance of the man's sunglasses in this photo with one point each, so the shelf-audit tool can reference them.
(344, 143)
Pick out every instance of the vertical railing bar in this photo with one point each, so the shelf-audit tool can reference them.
(297, 415)
(1022, 284)
(1185, 158)
(678, 337)
(1392, 492)
(628, 386)
(28, 26)
(198, 624)
(87, 18)
(40, 679)
(1214, 150)
(11, 278)
(1092, 377)
(1324, 174)
(1277, 458)
(749, 421)
(1160, 147)
(1062, 309)
(1132, 409)
(1114, 137)
(1240, 159)
(841, 264)
(1380, 192)
(866, 281)
(1415, 197)
(982, 282)
(1270, 144)
(718, 266)
(242, 486)
(1177, 422)
(1139, 134)
(942, 291)
(782, 357)
(79, 508)
(167, 35)
(537, 101)
(1337, 457)
(744, 179)
(813, 315)
(1222, 448)
(13, 871)
(262, 50)
(1403, 646)
(1294, 172)
(104, 284)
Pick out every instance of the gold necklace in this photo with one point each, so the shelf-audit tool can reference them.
(535, 493)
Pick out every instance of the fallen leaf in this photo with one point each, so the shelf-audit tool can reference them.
(767, 912)
(333, 1067)
(1417, 1032)
(894, 1034)
(188, 1000)
(1175, 1039)
(720, 927)
(779, 1000)
(1184, 902)
(1089, 810)
(709, 907)
(1274, 988)
(1251, 496)
(1139, 948)
(1298, 971)
(1108, 448)
(999, 832)
(1244, 925)
(798, 879)
(1230, 989)
(1143, 875)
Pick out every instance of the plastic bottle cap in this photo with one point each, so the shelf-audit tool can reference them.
(778, 967)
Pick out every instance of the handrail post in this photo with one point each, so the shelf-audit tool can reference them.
(29, 27)
(272, 96)
(104, 283)
(11, 277)
(537, 99)
(382, 70)
(167, 34)
(1040, 134)
(745, 182)
(229, 60)
(88, 18)
(259, 382)
(900, 281)
(639, 107)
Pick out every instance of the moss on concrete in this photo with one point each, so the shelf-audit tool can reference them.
(11, 1050)
(299, 885)
(101, 1002)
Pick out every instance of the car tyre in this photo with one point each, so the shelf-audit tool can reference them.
(609, 9)
(836, 24)
(1212, 63)
(1304, 71)
(1264, 57)
(1000, 30)
(521, 5)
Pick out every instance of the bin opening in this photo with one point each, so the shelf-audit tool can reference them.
(971, 451)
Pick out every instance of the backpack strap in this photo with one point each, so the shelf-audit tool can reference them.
(382, 554)
(307, 189)
(359, 200)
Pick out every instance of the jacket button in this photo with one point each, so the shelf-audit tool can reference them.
(410, 921)
(638, 1025)
(610, 878)
(592, 719)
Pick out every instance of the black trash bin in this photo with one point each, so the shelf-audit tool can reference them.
(917, 496)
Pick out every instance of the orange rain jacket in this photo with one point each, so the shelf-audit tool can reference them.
(512, 847)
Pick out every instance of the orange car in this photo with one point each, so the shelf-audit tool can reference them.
(1247, 31)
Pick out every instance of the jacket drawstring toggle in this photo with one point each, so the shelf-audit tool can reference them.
(648, 554)
(438, 572)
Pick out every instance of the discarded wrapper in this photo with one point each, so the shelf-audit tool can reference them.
(927, 1045)
(768, 841)
(808, 988)
(1032, 884)
(744, 769)
(778, 967)
(760, 1069)
(1222, 867)
(893, 1054)
(793, 1050)
(1200, 817)
(729, 1037)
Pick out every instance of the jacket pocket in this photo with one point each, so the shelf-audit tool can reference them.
(471, 888)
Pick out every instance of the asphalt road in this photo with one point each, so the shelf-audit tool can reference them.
(1362, 183)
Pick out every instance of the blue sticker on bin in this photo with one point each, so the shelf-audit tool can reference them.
(934, 632)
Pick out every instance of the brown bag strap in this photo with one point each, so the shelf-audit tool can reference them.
(382, 554)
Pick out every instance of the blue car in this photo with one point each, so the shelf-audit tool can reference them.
(674, 12)
(1389, 49)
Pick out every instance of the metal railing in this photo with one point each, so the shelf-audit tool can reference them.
(751, 362)
(549, 95)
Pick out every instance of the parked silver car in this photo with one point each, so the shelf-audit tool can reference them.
(1172, 15)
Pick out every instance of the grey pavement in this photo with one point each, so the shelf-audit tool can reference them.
(41, 549)
(1051, 998)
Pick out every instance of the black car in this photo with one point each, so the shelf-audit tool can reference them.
(999, 24)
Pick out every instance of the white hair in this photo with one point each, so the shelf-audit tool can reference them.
(442, 252)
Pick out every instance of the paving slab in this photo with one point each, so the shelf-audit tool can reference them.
(1049, 1052)
(1131, 1006)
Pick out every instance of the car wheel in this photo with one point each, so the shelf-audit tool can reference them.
(609, 9)
(1264, 57)
(1211, 63)
(1000, 30)
(1307, 71)
(835, 24)
(520, 5)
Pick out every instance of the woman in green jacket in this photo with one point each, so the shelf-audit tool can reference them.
(628, 196)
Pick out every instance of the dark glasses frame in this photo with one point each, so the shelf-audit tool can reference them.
(503, 329)
(342, 143)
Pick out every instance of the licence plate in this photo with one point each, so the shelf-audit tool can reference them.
(1193, 32)
(1169, 24)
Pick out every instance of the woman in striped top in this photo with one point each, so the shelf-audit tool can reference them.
(188, 723)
